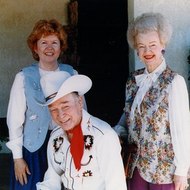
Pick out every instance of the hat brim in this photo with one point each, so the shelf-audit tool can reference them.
(75, 83)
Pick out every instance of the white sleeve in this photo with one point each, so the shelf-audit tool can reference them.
(52, 177)
(179, 117)
(121, 128)
(75, 72)
(110, 161)
(16, 116)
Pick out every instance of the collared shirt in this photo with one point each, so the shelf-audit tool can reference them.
(144, 82)
(101, 164)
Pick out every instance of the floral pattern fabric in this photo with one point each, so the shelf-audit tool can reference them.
(150, 130)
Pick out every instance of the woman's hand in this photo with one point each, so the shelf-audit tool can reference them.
(180, 182)
(21, 170)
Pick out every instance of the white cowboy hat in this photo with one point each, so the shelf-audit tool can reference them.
(60, 83)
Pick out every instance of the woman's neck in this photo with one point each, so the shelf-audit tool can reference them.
(48, 66)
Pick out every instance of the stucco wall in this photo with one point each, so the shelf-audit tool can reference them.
(16, 22)
(178, 14)
(18, 17)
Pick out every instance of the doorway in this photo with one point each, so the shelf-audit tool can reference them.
(103, 55)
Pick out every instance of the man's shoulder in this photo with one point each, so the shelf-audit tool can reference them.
(57, 131)
(101, 126)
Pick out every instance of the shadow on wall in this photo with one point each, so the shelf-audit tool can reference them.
(4, 157)
(3, 128)
(3, 134)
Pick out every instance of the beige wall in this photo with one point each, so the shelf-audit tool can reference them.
(16, 22)
(178, 14)
(18, 17)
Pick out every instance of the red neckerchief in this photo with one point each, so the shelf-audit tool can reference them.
(77, 145)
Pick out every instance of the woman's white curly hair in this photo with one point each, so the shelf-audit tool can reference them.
(148, 22)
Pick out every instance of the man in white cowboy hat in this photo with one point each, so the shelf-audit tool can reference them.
(83, 151)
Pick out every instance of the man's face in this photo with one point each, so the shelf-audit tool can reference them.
(67, 111)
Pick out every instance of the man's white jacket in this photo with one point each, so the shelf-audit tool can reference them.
(101, 164)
